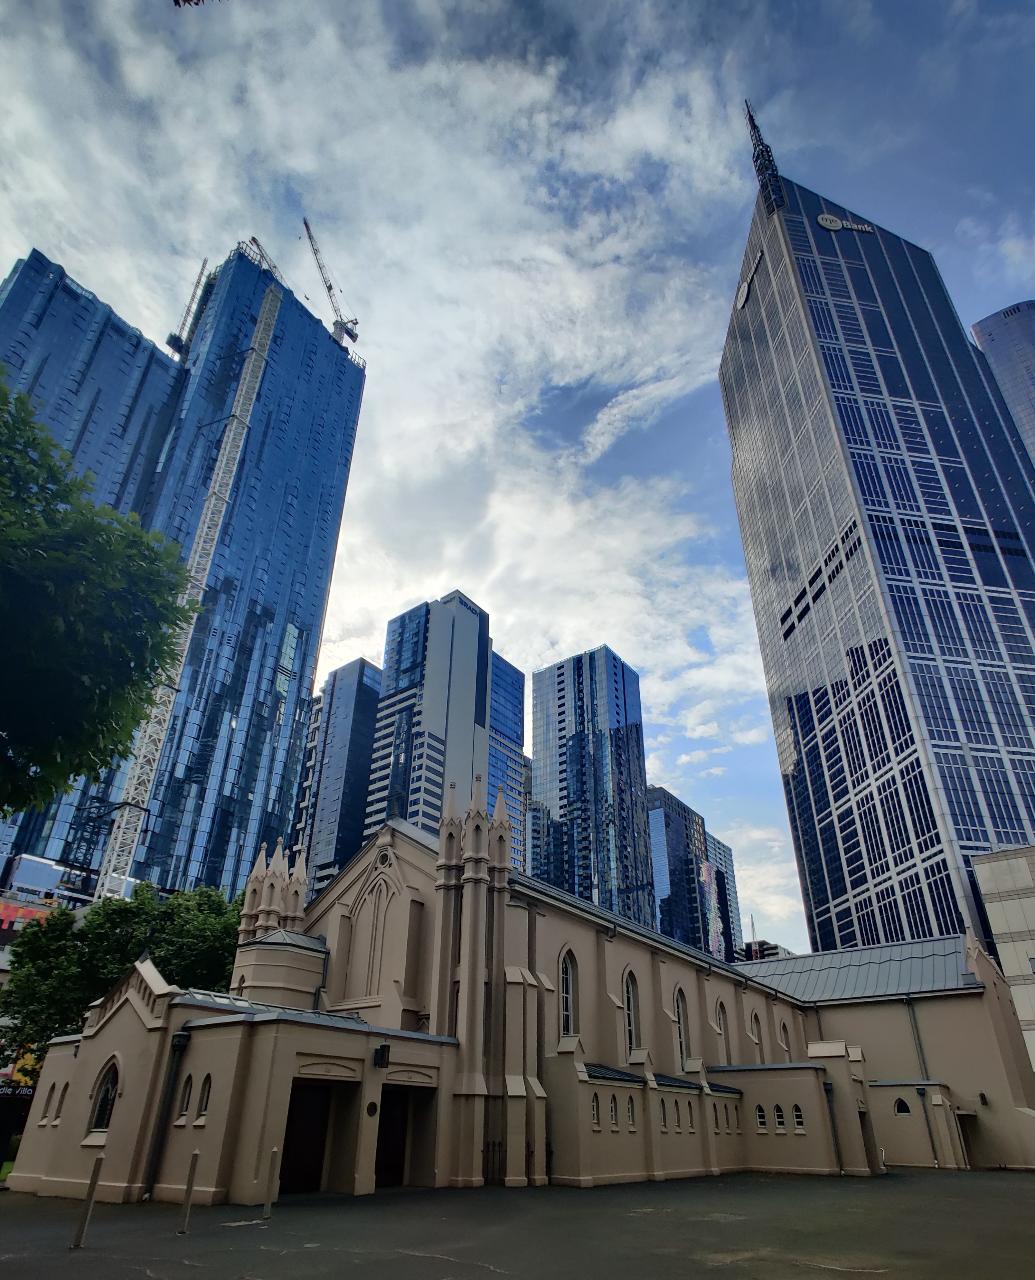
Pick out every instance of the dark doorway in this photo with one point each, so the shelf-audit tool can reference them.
(305, 1137)
(392, 1132)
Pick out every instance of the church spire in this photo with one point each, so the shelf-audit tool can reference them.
(765, 165)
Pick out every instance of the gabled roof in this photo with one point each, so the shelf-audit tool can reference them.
(601, 1071)
(926, 967)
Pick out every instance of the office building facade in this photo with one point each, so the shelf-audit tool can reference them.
(507, 759)
(887, 508)
(695, 888)
(336, 773)
(149, 428)
(589, 784)
(1007, 340)
(433, 715)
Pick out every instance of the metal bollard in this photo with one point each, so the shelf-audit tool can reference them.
(188, 1194)
(91, 1192)
(267, 1208)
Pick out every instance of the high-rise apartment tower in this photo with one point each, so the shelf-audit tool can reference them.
(887, 507)
(507, 760)
(336, 773)
(1007, 339)
(695, 888)
(433, 716)
(149, 428)
(588, 811)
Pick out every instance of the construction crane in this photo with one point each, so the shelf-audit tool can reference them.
(341, 328)
(175, 341)
(266, 260)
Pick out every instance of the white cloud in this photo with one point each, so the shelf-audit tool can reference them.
(716, 771)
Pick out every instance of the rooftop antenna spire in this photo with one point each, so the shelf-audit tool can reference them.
(765, 165)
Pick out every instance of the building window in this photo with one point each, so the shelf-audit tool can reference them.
(785, 1040)
(799, 1118)
(760, 1119)
(756, 1035)
(726, 1115)
(203, 1096)
(689, 1116)
(188, 1086)
(736, 1116)
(778, 1121)
(632, 1013)
(61, 1102)
(630, 1111)
(594, 1109)
(664, 1114)
(682, 1029)
(569, 995)
(675, 1104)
(715, 1115)
(614, 1111)
(104, 1098)
(901, 1107)
(46, 1105)
(723, 1026)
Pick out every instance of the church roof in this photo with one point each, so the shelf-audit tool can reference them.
(927, 967)
(238, 1009)
(287, 938)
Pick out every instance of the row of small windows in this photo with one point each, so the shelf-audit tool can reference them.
(106, 1095)
(204, 1095)
(779, 1119)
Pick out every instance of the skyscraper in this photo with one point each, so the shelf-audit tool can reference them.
(150, 428)
(589, 785)
(887, 507)
(695, 887)
(507, 748)
(432, 718)
(1007, 339)
(336, 773)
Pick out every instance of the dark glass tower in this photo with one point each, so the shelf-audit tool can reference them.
(588, 811)
(333, 795)
(1007, 339)
(149, 428)
(887, 507)
(507, 748)
(694, 883)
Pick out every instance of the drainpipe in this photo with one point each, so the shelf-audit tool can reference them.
(828, 1089)
(180, 1040)
(921, 1057)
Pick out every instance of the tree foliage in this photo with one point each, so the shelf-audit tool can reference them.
(60, 964)
(90, 602)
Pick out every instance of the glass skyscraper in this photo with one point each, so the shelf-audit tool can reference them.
(887, 507)
(588, 811)
(507, 748)
(432, 718)
(336, 773)
(695, 887)
(1007, 339)
(149, 427)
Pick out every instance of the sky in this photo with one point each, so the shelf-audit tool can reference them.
(538, 211)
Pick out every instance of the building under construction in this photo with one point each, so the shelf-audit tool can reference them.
(237, 445)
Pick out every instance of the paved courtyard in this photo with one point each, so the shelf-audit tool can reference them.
(904, 1225)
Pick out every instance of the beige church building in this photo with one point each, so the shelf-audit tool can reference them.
(434, 1019)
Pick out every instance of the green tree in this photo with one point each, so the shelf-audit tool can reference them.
(90, 603)
(61, 964)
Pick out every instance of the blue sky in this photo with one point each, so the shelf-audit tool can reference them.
(538, 212)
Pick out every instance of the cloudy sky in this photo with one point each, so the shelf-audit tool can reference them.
(537, 210)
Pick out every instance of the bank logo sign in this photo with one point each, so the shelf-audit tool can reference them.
(833, 223)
